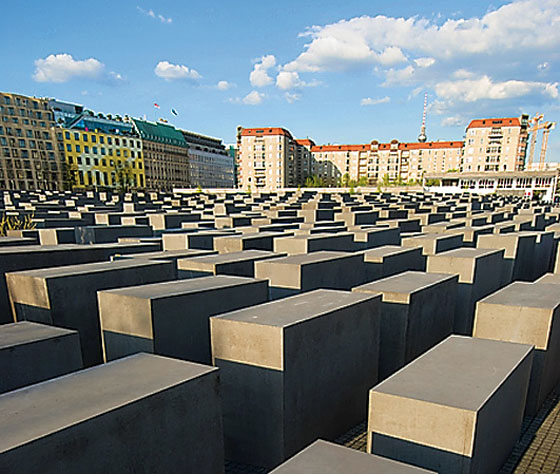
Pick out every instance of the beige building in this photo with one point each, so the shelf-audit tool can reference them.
(31, 146)
(166, 155)
(496, 144)
(266, 158)
(378, 162)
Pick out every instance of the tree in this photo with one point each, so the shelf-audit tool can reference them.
(363, 181)
(386, 180)
(69, 175)
(345, 180)
(124, 176)
(314, 182)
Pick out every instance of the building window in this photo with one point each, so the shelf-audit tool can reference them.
(85, 137)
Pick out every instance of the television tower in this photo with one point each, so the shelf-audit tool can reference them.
(422, 137)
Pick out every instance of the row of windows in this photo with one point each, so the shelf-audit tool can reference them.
(26, 113)
(95, 151)
(93, 139)
(6, 152)
(96, 161)
(15, 120)
(22, 101)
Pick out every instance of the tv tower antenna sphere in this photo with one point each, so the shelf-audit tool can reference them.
(422, 137)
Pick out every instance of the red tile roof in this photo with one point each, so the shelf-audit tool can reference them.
(259, 132)
(322, 148)
(430, 145)
(305, 142)
(495, 122)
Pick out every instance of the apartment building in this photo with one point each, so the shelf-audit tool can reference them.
(166, 155)
(210, 164)
(266, 158)
(496, 144)
(31, 155)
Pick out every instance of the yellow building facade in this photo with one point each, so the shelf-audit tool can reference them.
(96, 159)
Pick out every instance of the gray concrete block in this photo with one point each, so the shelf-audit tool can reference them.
(457, 408)
(323, 457)
(38, 256)
(300, 273)
(144, 413)
(294, 370)
(519, 253)
(31, 353)
(388, 260)
(433, 243)
(479, 275)
(302, 244)
(249, 241)
(416, 313)
(526, 313)
(235, 263)
(376, 237)
(171, 318)
(67, 296)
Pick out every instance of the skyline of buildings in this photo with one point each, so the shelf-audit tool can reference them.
(55, 144)
(271, 158)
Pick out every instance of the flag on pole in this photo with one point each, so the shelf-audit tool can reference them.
(174, 112)
(156, 105)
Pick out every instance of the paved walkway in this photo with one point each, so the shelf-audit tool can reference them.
(536, 452)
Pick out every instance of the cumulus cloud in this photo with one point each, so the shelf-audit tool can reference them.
(424, 62)
(259, 75)
(253, 98)
(63, 67)
(471, 90)
(388, 40)
(224, 85)
(156, 16)
(288, 80)
(174, 72)
(370, 101)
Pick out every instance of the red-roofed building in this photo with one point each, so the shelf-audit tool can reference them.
(496, 144)
(270, 158)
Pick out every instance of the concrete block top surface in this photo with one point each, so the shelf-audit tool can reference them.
(550, 278)
(39, 410)
(530, 295)
(88, 268)
(296, 309)
(182, 287)
(379, 253)
(398, 288)
(323, 457)
(217, 259)
(25, 332)
(313, 257)
(460, 372)
(466, 253)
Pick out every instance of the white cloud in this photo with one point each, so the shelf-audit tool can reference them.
(405, 76)
(471, 90)
(155, 15)
(173, 72)
(370, 101)
(253, 98)
(424, 62)
(288, 80)
(453, 121)
(525, 25)
(63, 67)
(224, 85)
(259, 75)
(543, 66)
(292, 97)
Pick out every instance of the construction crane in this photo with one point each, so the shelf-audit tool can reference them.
(422, 137)
(534, 129)
(547, 127)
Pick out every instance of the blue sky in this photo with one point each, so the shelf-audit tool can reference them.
(337, 72)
